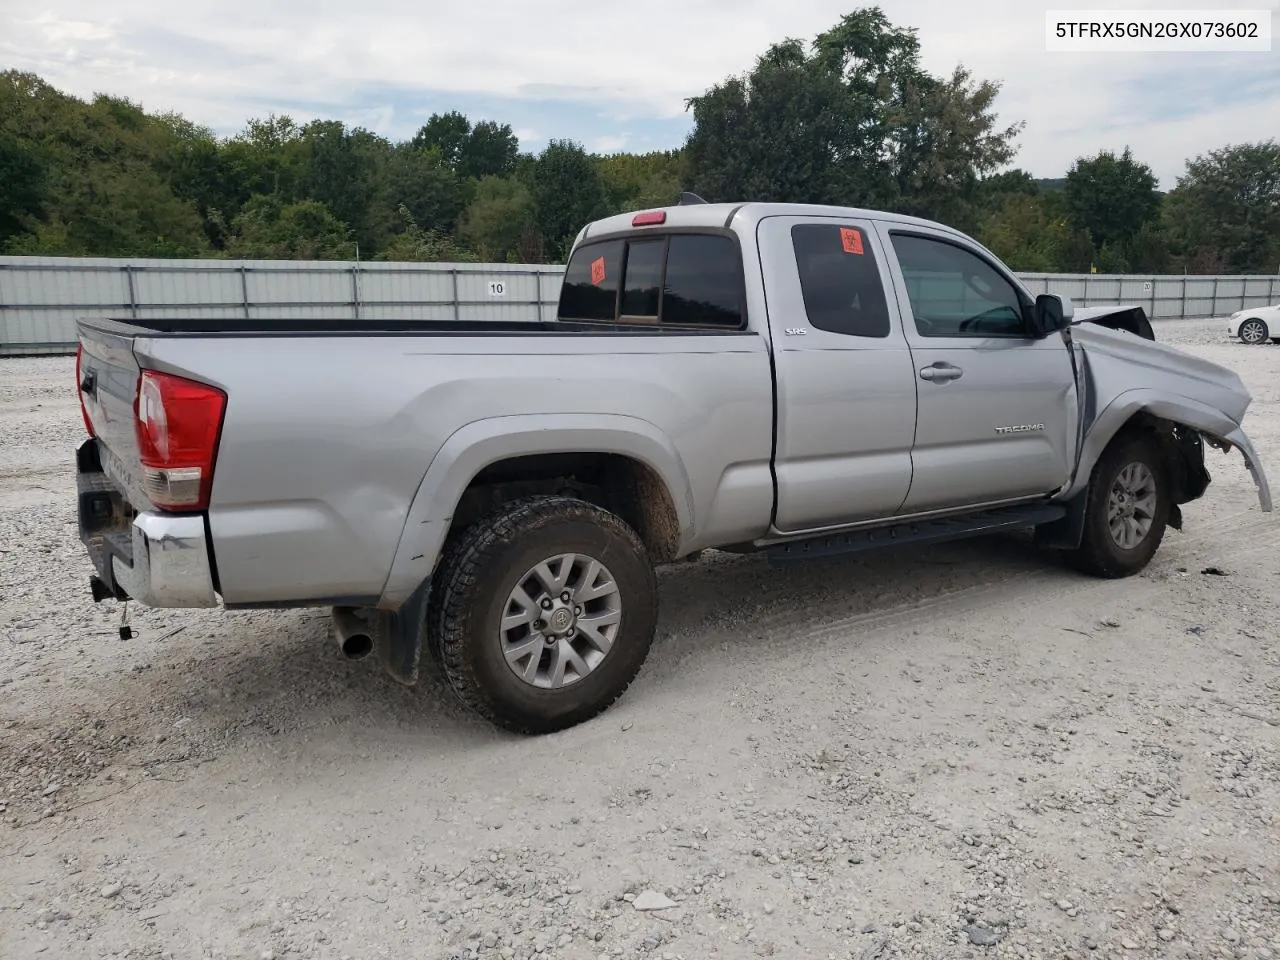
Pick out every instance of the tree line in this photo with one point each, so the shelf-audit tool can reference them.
(850, 118)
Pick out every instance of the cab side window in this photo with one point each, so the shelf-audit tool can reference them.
(955, 293)
(841, 284)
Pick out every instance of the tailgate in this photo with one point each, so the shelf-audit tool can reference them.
(108, 388)
(143, 525)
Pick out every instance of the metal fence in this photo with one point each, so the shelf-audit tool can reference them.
(42, 297)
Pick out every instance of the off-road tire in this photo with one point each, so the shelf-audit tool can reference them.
(470, 593)
(1099, 554)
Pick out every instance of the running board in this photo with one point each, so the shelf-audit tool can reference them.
(918, 531)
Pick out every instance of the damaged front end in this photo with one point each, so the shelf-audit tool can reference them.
(1128, 378)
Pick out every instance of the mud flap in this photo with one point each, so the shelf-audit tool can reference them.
(398, 636)
(1068, 532)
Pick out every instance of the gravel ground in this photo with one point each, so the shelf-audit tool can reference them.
(958, 752)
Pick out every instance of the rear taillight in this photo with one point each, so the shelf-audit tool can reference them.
(84, 411)
(178, 422)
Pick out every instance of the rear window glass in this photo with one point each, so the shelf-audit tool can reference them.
(643, 278)
(843, 292)
(704, 282)
(680, 279)
(591, 281)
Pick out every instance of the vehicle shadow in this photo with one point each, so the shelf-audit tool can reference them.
(194, 688)
(279, 674)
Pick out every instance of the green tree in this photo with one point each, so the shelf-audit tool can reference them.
(568, 193)
(852, 118)
(448, 133)
(22, 178)
(269, 228)
(1111, 198)
(1024, 232)
(639, 181)
(344, 171)
(419, 180)
(1224, 212)
(192, 164)
(416, 244)
(1147, 251)
(490, 151)
(498, 220)
(267, 157)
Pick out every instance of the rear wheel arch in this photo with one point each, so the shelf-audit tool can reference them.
(620, 483)
(481, 464)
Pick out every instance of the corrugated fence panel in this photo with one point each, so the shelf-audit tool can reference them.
(42, 297)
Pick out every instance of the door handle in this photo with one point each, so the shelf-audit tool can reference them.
(941, 373)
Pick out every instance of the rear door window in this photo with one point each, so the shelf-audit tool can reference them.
(840, 281)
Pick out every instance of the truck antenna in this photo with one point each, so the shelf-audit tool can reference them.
(688, 199)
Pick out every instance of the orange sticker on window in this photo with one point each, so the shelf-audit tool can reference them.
(851, 240)
(597, 271)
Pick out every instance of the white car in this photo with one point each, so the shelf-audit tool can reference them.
(1257, 324)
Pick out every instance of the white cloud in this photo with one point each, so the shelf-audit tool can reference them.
(222, 61)
(610, 144)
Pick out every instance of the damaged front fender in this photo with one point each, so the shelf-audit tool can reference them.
(1236, 438)
(1127, 379)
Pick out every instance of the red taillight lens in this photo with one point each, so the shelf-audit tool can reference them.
(178, 422)
(649, 219)
(84, 411)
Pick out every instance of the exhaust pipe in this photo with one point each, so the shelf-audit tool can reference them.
(354, 638)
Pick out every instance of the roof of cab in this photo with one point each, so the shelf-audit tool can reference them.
(725, 214)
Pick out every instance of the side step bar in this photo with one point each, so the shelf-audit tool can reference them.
(918, 531)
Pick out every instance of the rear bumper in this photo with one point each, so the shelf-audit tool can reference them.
(157, 559)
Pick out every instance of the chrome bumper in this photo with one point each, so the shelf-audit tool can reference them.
(157, 559)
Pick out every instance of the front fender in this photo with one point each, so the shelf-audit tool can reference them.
(1213, 424)
(1236, 438)
(484, 442)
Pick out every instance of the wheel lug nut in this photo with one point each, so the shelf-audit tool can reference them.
(565, 596)
(546, 603)
(577, 611)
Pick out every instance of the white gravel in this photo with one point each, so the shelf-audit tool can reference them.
(964, 751)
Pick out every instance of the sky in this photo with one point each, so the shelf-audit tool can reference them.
(615, 76)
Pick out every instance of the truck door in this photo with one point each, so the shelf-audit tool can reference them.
(996, 419)
(846, 387)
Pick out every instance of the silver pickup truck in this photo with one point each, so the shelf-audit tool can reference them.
(799, 380)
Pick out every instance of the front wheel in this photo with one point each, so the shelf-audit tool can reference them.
(1253, 331)
(1127, 510)
(545, 613)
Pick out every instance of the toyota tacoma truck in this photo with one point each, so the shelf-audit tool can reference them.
(798, 380)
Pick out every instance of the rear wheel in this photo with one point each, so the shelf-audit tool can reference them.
(1127, 511)
(1253, 331)
(544, 613)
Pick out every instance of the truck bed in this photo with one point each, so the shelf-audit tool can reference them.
(338, 435)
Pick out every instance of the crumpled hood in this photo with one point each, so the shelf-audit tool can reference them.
(1120, 361)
